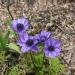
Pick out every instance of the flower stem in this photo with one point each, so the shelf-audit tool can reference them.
(32, 58)
(43, 60)
(34, 67)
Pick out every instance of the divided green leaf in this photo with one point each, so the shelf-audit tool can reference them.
(14, 47)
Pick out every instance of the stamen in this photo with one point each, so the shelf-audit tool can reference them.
(51, 48)
(29, 42)
(20, 26)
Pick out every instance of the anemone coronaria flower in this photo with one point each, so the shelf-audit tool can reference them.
(52, 48)
(28, 43)
(43, 36)
(20, 25)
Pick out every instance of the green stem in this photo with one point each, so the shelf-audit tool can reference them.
(32, 58)
(43, 60)
(34, 67)
(15, 35)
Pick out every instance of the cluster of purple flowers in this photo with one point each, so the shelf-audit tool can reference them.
(51, 47)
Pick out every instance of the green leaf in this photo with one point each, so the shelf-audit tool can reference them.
(14, 33)
(56, 67)
(14, 47)
(7, 37)
(0, 46)
(2, 41)
(42, 71)
(38, 60)
(14, 71)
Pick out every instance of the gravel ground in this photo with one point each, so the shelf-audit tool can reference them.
(58, 18)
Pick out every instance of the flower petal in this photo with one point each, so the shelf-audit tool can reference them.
(47, 43)
(25, 49)
(31, 37)
(52, 41)
(22, 38)
(35, 42)
(14, 23)
(57, 51)
(43, 33)
(19, 20)
(34, 49)
(26, 22)
(52, 54)
(23, 21)
(59, 47)
(26, 36)
(36, 37)
(20, 43)
(56, 44)
(47, 54)
(46, 50)
(48, 35)
(26, 27)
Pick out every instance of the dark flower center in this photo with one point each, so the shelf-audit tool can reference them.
(29, 42)
(20, 26)
(51, 48)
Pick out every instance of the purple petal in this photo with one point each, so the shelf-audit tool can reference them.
(20, 32)
(47, 43)
(31, 37)
(35, 42)
(20, 43)
(47, 54)
(56, 44)
(36, 37)
(26, 36)
(14, 23)
(48, 35)
(19, 20)
(46, 50)
(26, 27)
(52, 54)
(25, 49)
(59, 47)
(57, 51)
(34, 49)
(22, 38)
(52, 41)
(23, 21)
(43, 33)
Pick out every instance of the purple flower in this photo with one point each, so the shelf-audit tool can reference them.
(28, 43)
(52, 48)
(20, 25)
(43, 36)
